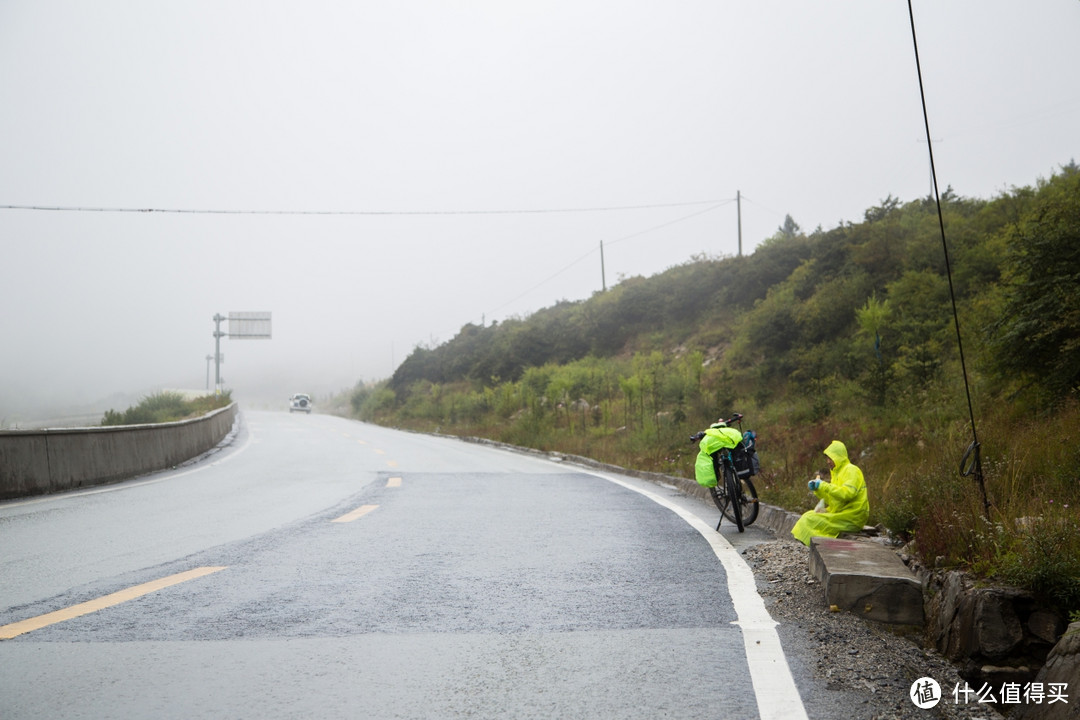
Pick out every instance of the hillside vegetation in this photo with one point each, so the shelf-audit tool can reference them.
(845, 333)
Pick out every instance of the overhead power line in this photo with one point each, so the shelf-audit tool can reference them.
(718, 204)
(618, 240)
(191, 211)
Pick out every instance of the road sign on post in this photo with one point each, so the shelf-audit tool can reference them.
(249, 325)
(242, 325)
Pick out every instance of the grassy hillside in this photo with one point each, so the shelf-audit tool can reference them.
(847, 333)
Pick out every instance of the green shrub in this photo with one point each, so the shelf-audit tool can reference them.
(166, 407)
(1045, 558)
(901, 516)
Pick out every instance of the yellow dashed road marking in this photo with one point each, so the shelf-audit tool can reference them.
(36, 623)
(380, 452)
(358, 512)
(391, 463)
(393, 482)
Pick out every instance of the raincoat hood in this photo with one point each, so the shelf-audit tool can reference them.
(838, 452)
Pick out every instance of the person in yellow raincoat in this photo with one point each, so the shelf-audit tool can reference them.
(846, 505)
(717, 437)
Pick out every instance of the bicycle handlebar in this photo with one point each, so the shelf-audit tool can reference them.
(734, 419)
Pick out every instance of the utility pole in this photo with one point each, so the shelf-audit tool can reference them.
(603, 276)
(931, 195)
(217, 352)
(738, 210)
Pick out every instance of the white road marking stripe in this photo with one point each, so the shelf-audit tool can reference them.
(774, 686)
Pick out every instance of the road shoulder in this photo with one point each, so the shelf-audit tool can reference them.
(847, 666)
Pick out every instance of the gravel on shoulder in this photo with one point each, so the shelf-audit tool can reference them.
(858, 668)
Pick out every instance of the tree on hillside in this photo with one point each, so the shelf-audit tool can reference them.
(790, 228)
(881, 211)
(1038, 335)
(749, 278)
(873, 317)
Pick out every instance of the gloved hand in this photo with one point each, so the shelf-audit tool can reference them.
(814, 484)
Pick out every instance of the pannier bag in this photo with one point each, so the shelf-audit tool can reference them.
(744, 456)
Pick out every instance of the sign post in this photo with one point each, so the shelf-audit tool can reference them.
(242, 326)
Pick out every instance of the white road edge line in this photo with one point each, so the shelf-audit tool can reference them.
(774, 686)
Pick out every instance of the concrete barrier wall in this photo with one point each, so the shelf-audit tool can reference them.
(35, 462)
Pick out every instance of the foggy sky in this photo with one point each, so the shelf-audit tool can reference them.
(433, 150)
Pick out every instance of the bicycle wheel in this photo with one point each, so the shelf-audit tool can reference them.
(748, 500)
(734, 506)
(720, 496)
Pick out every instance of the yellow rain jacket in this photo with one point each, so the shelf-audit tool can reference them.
(715, 439)
(846, 505)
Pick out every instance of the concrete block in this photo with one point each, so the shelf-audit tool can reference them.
(777, 520)
(868, 579)
(33, 462)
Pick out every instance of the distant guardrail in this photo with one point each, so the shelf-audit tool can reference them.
(36, 462)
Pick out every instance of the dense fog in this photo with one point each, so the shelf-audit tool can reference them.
(377, 175)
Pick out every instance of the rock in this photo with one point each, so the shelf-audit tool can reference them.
(1046, 625)
(943, 608)
(994, 623)
(998, 675)
(994, 634)
(1062, 667)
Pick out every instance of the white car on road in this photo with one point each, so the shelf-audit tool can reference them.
(300, 403)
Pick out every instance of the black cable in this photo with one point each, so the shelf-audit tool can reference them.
(971, 464)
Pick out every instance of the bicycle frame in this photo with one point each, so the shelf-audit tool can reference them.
(725, 470)
(733, 493)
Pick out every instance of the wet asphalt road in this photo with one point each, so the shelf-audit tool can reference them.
(368, 573)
